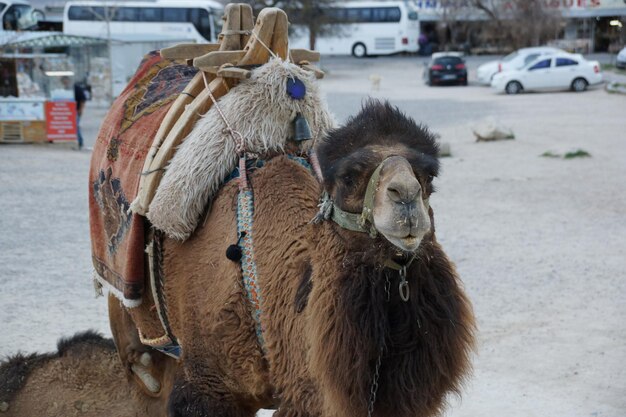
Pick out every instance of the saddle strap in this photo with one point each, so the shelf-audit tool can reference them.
(245, 213)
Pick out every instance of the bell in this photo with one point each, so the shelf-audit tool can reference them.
(301, 129)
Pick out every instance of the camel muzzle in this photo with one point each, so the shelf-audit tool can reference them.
(405, 196)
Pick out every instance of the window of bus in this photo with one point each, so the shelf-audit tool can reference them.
(366, 14)
(126, 14)
(200, 19)
(360, 15)
(86, 13)
(174, 14)
(385, 14)
(150, 14)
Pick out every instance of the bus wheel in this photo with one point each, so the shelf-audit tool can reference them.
(359, 50)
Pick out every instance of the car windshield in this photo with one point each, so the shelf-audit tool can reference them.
(510, 56)
(448, 60)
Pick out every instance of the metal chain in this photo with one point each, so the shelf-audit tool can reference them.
(374, 387)
(379, 360)
(403, 287)
(387, 287)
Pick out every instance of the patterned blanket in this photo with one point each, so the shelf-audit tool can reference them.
(117, 235)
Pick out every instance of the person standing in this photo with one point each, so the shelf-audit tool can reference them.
(80, 98)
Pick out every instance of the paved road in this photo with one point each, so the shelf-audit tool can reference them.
(538, 241)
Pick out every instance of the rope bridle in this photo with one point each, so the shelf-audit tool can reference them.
(357, 222)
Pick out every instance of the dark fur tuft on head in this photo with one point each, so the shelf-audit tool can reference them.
(379, 124)
(87, 338)
(15, 371)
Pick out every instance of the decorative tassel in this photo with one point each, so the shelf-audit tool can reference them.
(315, 163)
(326, 209)
(233, 252)
(243, 174)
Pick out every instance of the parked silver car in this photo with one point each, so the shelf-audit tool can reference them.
(514, 60)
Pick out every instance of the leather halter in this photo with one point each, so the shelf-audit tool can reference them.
(357, 222)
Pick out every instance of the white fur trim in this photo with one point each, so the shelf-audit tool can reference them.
(261, 110)
(117, 293)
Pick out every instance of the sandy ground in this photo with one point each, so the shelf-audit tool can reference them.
(539, 242)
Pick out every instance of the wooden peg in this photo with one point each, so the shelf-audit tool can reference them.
(299, 55)
(234, 72)
(230, 39)
(218, 58)
(247, 21)
(256, 53)
(189, 50)
(319, 74)
(280, 38)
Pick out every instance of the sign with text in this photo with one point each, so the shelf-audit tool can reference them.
(61, 120)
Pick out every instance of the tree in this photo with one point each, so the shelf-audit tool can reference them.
(106, 14)
(315, 15)
(521, 22)
(455, 15)
(533, 24)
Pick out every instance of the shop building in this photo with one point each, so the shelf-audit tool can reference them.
(587, 25)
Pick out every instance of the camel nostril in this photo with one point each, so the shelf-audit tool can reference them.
(404, 191)
(394, 194)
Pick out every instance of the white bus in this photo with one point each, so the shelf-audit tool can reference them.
(366, 28)
(198, 21)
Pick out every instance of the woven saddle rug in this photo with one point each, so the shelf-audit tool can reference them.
(117, 234)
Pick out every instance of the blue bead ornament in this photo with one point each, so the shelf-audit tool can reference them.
(295, 88)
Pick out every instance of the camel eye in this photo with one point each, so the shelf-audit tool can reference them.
(430, 179)
(348, 180)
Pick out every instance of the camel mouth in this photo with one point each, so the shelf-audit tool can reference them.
(411, 240)
(407, 243)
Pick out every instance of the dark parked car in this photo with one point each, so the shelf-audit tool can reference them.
(446, 68)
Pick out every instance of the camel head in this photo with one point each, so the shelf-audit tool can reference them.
(378, 170)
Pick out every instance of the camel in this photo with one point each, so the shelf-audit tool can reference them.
(362, 312)
(84, 378)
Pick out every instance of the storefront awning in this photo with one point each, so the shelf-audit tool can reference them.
(604, 12)
(45, 40)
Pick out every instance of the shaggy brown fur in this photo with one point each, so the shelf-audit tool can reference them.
(84, 378)
(325, 315)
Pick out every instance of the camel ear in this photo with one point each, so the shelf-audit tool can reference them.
(431, 214)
